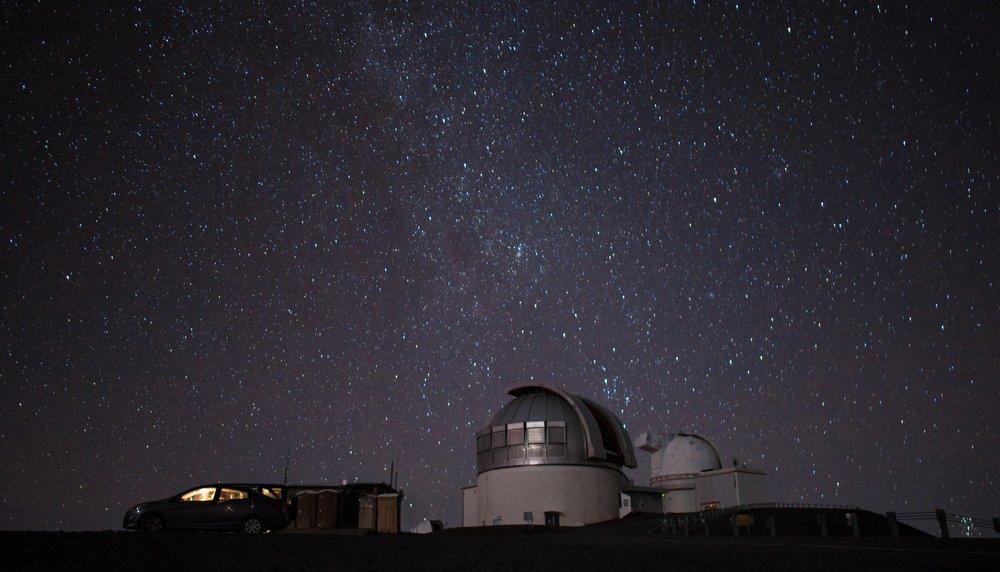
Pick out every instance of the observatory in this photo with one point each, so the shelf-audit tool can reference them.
(548, 456)
(689, 468)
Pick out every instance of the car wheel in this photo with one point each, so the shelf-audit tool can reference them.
(252, 525)
(152, 523)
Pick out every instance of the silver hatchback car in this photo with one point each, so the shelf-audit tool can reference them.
(250, 509)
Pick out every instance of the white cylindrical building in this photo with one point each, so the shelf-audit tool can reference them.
(548, 457)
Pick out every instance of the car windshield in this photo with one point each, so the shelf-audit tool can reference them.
(199, 495)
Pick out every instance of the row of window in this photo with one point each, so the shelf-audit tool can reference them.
(532, 433)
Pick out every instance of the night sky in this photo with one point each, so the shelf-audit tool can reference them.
(344, 231)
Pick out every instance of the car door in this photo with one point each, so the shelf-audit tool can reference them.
(234, 504)
(195, 508)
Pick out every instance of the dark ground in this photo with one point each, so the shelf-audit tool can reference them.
(626, 548)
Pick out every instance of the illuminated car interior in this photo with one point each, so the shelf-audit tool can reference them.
(199, 495)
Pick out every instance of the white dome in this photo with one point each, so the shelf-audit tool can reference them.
(689, 454)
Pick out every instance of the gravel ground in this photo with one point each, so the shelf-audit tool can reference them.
(603, 547)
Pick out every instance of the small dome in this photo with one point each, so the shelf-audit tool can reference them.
(687, 453)
(545, 425)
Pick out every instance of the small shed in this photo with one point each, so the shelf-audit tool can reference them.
(351, 506)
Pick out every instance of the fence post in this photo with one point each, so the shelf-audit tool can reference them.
(706, 526)
(822, 525)
(770, 524)
(736, 527)
(942, 518)
(996, 524)
(855, 527)
(893, 524)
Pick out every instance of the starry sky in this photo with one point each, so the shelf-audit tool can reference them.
(231, 232)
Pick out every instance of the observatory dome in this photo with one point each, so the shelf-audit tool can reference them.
(544, 425)
(687, 453)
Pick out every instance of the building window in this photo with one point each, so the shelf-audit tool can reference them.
(499, 438)
(515, 435)
(483, 443)
(536, 434)
(557, 434)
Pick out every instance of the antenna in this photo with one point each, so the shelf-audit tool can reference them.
(288, 457)
(395, 477)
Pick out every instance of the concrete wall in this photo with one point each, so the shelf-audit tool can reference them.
(580, 494)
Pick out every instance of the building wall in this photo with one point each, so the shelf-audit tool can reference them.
(681, 493)
(681, 501)
(716, 488)
(649, 501)
(470, 507)
(388, 506)
(731, 487)
(580, 494)
(725, 487)
(753, 487)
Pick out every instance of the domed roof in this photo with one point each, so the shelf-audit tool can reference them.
(686, 453)
(535, 406)
(545, 425)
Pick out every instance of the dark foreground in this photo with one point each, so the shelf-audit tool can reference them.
(618, 548)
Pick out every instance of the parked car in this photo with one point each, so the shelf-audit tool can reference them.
(234, 507)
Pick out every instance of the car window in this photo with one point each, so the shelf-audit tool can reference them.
(199, 495)
(273, 492)
(232, 494)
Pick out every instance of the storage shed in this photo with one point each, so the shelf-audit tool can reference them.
(352, 506)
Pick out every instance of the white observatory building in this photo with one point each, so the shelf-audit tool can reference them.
(549, 457)
(689, 469)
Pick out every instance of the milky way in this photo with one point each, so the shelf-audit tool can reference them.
(340, 233)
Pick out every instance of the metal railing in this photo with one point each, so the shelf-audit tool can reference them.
(686, 523)
(944, 519)
(731, 510)
(683, 523)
